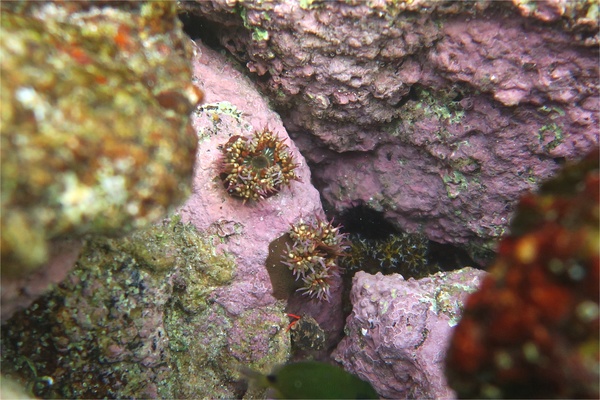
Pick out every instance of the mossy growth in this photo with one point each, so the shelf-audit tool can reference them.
(100, 333)
(209, 345)
(443, 300)
(441, 110)
(258, 30)
(455, 183)
(550, 136)
(440, 105)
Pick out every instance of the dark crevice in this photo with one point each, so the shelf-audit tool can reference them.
(449, 257)
(412, 95)
(370, 224)
(201, 28)
(366, 222)
(559, 160)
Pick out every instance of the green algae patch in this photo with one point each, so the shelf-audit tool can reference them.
(208, 349)
(166, 245)
(448, 289)
(95, 118)
(436, 105)
(102, 332)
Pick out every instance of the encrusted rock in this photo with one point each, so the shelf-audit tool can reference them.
(233, 107)
(438, 113)
(95, 128)
(397, 333)
(137, 318)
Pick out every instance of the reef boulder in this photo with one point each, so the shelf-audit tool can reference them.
(233, 107)
(398, 331)
(95, 130)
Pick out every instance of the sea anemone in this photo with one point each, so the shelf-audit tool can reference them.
(258, 167)
(402, 253)
(312, 257)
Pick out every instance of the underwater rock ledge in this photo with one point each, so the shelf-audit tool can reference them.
(439, 114)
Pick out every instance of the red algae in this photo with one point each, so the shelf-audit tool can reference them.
(532, 330)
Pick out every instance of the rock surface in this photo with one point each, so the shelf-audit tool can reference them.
(173, 310)
(440, 114)
(397, 333)
(95, 129)
(234, 107)
(137, 318)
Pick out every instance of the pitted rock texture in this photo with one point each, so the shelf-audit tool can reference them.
(440, 114)
(398, 331)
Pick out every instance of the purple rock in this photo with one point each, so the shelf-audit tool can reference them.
(398, 331)
(233, 106)
(440, 114)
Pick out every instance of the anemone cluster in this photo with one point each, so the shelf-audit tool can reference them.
(312, 257)
(258, 167)
(402, 253)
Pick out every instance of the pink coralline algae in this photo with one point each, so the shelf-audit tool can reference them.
(398, 331)
(439, 114)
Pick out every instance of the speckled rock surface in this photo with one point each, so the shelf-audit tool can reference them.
(398, 331)
(440, 114)
(234, 107)
(95, 118)
(137, 318)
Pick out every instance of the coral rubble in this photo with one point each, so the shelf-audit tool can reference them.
(532, 330)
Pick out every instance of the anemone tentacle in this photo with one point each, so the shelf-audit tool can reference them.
(258, 167)
(312, 256)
